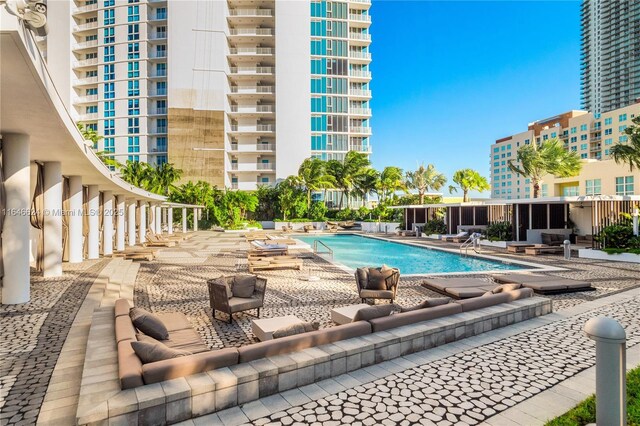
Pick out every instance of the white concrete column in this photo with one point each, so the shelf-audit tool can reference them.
(158, 218)
(184, 220)
(94, 223)
(195, 219)
(16, 286)
(131, 222)
(52, 219)
(75, 219)
(142, 231)
(170, 220)
(107, 225)
(120, 223)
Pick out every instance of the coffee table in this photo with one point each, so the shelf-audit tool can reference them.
(345, 314)
(263, 328)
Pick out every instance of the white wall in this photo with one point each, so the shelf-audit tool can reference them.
(59, 41)
(293, 86)
(582, 218)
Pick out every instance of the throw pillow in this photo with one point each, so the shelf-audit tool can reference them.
(362, 277)
(148, 323)
(376, 280)
(244, 286)
(429, 303)
(503, 288)
(293, 329)
(371, 312)
(149, 351)
(388, 274)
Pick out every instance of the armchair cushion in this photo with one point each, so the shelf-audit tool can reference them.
(148, 323)
(238, 304)
(244, 286)
(155, 351)
(293, 329)
(376, 294)
(366, 314)
(378, 278)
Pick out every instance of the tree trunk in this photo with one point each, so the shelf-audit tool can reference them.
(465, 196)
(421, 197)
(308, 199)
(536, 188)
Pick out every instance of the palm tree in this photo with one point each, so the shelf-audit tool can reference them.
(365, 183)
(628, 153)
(391, 180)
(106, 157)
(424, 179)
(345, 172)
(549, 157)
(163, 177)
(136, 173)
(313, 175)
(468, 180)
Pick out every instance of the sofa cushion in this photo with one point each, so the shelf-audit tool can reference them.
(503, 288)
(546, 238)
(483, 302)
(174, 321)
(371, 312)
(148, 323)
(187, 365)
(129, 366)
(185, 340)
(406, 318)
(122, 307)
(293, 329)
(303, 341)
(376, 294)
(244, 285)
(124, 329)
(238, 304)
(376, 279)
(429, 303)
(466, 292)
(153, 351)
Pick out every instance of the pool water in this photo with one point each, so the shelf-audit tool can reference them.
(355, 251)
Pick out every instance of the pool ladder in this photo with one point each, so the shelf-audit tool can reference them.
(315, 248)
(473, 241)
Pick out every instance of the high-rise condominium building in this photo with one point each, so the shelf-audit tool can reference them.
(237, 92)
(610, 54)
(590, 135)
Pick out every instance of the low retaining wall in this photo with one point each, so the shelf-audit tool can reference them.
(601, 255)
(172, 401)
(380, 227)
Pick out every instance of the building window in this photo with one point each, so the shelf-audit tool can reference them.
(574, 130)
(584, 146)
(134, 87)
(624, 185)
(109, 127)
(134, 107)
(583, 127)
(570, 191)
(622, 128)
(608, 121)
(623, 138)
(161, 160)
(133, 51)
(109, 17)
(545, 137)
(544, 189)
(608, 131)
(574, 139)
(133, 144)
(92, 109)
(161, 144)
(109, 91)
(133, 13)
(622, 117)
(109, 145)
(161, 13)
(608, 141)
(133, 32)
(133, 125)
(109, 72)
(109, 35)
(584, 155)
(109, 109)
(134, 69)
(109, 54)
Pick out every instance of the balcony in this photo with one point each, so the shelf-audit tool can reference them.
(158, 17)
(360, 55)
(85, 99)
(360, 18)
(158, 92)
(265, 166)
(361, 148)
(88, 81)
(158, 73)
(360, 130)
(161, 149)
(85, 45)
(78, 10)
(360, 74)
(159, 35)
(252, 90)
(361, 2)
(159, 130)
(251, 31)
(258, 128)
(92, 62)
(158, 111)
(251, 148)
(88, 26)
(249, 51)
(359, 36)
(158, 54)
(360, 111)
(252, 70)
(250, 13)
(360, 93)
(247, 109)
(234, 185)
(88, 117)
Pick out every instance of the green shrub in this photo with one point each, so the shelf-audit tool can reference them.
(499, 231)
(363, 213)
(435, 226)
(346, 214)
(318, 211)
(619, 235)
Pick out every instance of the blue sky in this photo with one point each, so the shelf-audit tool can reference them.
(451, 77)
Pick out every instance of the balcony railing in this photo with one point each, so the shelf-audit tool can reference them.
(159, 129)
(360, 92)
(159, 17)
(249, 148)
(86, 63)
(360, 111)
(363, 130)
(360, 1)
(158, 111)
(85, 45)
(251, 70)
(251, 12)
(159, 35)
(158, 92)
(85, 8)
(158, 54)
(158, 73)
(234, 185)
(88, 117)
(85, 99)
(85, 27)
(85, 81)
(256, 128)
(360, 36)
(358, 73)
(251, 89)
(251, 31)
(251, 51)
(252, 109)
(361, 148)
(359, 55)
(359, 17)
(265, 166)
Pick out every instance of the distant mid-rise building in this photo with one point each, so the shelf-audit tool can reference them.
(589, 135)
(610, 54)
(233, 92)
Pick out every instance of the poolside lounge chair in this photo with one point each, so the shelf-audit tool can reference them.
(543, 249)
(311, 229)
(331, 228)
(518, 247)
(544, 284)
(455, 238)
(136, 253)
(155, 240)
(253, 236)
(260, 248)
(222, 297)
(377, 283)
(349, 224)
(276, 262)
(281, 239)
(460, 288)
(287, 228)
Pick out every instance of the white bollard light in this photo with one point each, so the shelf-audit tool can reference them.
(611, 385)
(567, 249)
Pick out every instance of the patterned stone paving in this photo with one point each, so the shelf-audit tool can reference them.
(471, 386)
(32, 336)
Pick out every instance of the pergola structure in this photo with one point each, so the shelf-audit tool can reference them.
(81, 208)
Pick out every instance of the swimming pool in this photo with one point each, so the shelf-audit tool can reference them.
(355, 251)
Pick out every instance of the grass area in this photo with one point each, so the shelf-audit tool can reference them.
(585, 412)
(619, 250)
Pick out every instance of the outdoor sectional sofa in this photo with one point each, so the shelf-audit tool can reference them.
(132, 373)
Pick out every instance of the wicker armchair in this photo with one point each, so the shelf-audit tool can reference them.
(220, 301)
(366, 292)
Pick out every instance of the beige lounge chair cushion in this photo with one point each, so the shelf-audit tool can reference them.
(503, 288)
(154, 351)
(148, 323)
(187, 365)
(371, 312)
(238, 304)
(465, 292)
(293, 329)
(429, 303)
(243, 286)
(376, 294)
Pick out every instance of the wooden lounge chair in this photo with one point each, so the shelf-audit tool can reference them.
(280, 239)
(136, 253)
(253, 236)
(459, 288)
(544, 284)
(518, 247)
(310, 229)
(279, 262)
(349, 224)
(543, 249)
(331, 228)
(455, 238)
(260, 248)
(287, 228)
